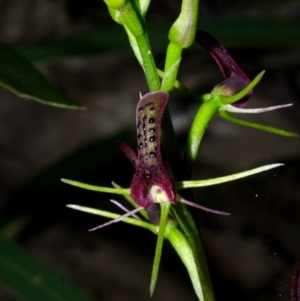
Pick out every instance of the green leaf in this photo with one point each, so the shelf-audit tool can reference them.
(19, 76)
(32, 280)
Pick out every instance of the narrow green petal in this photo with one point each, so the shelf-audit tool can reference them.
(107, 214)
(265, 128)
(165, 208)
(97, 188)
(215, 181)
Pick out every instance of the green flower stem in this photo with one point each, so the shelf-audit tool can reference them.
(173, 59)
(265, 128)
(97, 188)
(197, 130)
(130, 16)
(128, 220)
(148, 62)
(173, 55)
(220, 180)
(182, 213)
(169, 79)
(164, 213)
(197, 272)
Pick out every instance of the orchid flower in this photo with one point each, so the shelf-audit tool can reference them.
(235, 78)
(236, 89)
(151, 184)
(228, 96)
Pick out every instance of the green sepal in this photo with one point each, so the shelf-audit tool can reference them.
(257, 126)
(128, 220)
(225, 179)
(123, 191)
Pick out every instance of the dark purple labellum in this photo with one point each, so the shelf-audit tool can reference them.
(149, 168)
(151, 184)
(235, 78)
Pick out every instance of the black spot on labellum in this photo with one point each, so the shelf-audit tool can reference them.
(139, 137)
(152, 130)
(139, 125)
(152, 138)
(141, 109)
(152, 155)
(140, 146)
(152, 109)
(151, 120)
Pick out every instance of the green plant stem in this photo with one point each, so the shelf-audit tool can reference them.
(197, 269)
(182, 214)
(197, 130)
(173, 59)
(148, 62)
(173, 54)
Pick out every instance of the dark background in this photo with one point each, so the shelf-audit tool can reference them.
(251, 254)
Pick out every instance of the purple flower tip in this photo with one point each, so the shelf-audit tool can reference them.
(235, 78)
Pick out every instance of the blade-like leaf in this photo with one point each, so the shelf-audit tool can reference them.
(19, 76)
(30, 279)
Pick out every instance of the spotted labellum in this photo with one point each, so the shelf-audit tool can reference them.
(150, 183)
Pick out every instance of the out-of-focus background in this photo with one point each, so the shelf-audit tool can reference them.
(253, 252)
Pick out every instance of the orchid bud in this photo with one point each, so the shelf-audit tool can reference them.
(182, 32)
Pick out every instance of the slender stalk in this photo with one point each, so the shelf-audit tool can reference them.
(197, 130)
(148, 62)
